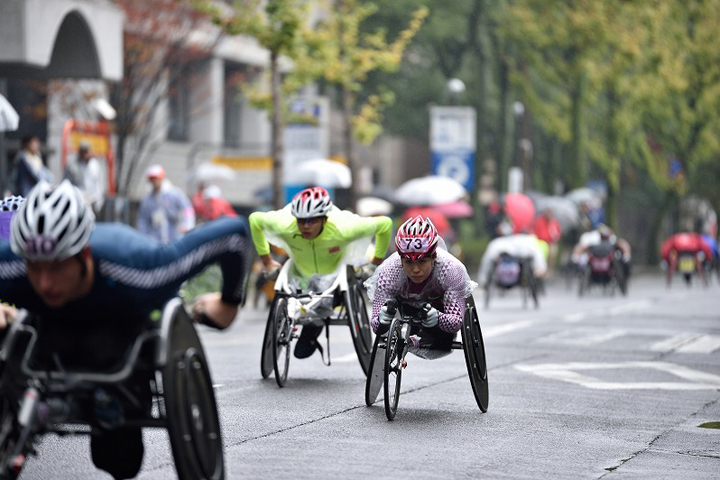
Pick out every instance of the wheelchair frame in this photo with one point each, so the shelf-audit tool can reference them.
(182, 397)
(281, 329)
(389, 351)
(527, 281)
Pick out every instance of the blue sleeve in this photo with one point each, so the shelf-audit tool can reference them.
(14, 285)
(154, 272)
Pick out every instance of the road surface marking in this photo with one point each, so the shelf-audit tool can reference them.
(672, 343)
(583, 337)
(703, 344)
(495, 330)
(568, 372)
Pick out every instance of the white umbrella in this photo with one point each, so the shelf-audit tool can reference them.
(564, 209)
(430, 190)
(9, 118)
(368, 206)
(322, 173)
(587, 195)
(212, 172)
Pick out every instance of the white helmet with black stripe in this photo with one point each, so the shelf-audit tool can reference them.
(53, 224)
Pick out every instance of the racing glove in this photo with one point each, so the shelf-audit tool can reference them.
(384, 317)
(431, 319)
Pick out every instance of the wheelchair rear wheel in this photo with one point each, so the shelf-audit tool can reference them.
(282, 338)
(374, 381)
(358, 320)
(192, 419)
(393, 369)
(475, 360)
(266, 354)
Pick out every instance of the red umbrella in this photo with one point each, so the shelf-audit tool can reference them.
(521, 211)
(459, 209)
(436, 217)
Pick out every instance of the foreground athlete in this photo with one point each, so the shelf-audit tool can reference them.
(90, 289)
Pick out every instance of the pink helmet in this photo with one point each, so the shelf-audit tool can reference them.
(417, 238)
(311, 202)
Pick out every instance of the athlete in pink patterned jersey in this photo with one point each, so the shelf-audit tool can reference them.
(420, 273)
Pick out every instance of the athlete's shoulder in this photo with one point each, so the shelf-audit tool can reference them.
(116, 241)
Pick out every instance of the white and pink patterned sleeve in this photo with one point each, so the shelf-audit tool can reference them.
(384, 285)
(458, 286)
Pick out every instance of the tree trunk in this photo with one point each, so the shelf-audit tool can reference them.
(348, 102)
(654, 237)
(277, 132)
(507, 132)
(578, 171)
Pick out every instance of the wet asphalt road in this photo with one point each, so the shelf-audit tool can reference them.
(600, 387)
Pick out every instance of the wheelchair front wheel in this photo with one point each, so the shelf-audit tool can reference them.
(393, 369)
(375, 378)
(358, 320)
(192, 419)
(266, 354)
(475, 359)
(282, 338)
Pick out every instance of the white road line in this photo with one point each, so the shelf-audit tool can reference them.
(703, 344)
(495, 330)
(583, 338)
(567, 372)
(670, 344)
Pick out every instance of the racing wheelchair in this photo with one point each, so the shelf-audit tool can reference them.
(388, 355)
(292, 308)
(509, 271)
(688, 264)
(163, 381)
(604, 268)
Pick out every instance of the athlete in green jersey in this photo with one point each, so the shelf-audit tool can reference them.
(317, 236)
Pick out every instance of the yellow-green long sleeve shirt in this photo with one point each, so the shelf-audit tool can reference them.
(321, 255)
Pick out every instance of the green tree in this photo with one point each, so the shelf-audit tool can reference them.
(347, 55)
(280, 26)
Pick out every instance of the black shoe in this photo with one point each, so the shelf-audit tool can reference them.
(118, 452)
(307, 343)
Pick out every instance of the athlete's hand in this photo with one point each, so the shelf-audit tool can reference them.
(384, 317)
(7, 315)
(219, 313)
(431, 319)
(270, 266)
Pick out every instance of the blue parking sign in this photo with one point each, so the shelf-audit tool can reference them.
(458, 165)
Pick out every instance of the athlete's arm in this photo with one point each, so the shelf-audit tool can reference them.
(354, 227)
(277, 221)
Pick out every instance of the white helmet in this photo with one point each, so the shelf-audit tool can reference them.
(311, 202)
(11, 203)
(53, 224)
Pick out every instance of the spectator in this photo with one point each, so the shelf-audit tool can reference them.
(548, 229)
(86, 174)
(198, 202)
(165, 213)
(29, 167)
(215, 206)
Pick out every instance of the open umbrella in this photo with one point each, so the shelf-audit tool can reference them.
(369, 206)
(459, 209)
(208, 173)
(430, 190)
(565, 210)
(521, 211)
(9, 118)
(587, 195)
(322, 173)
